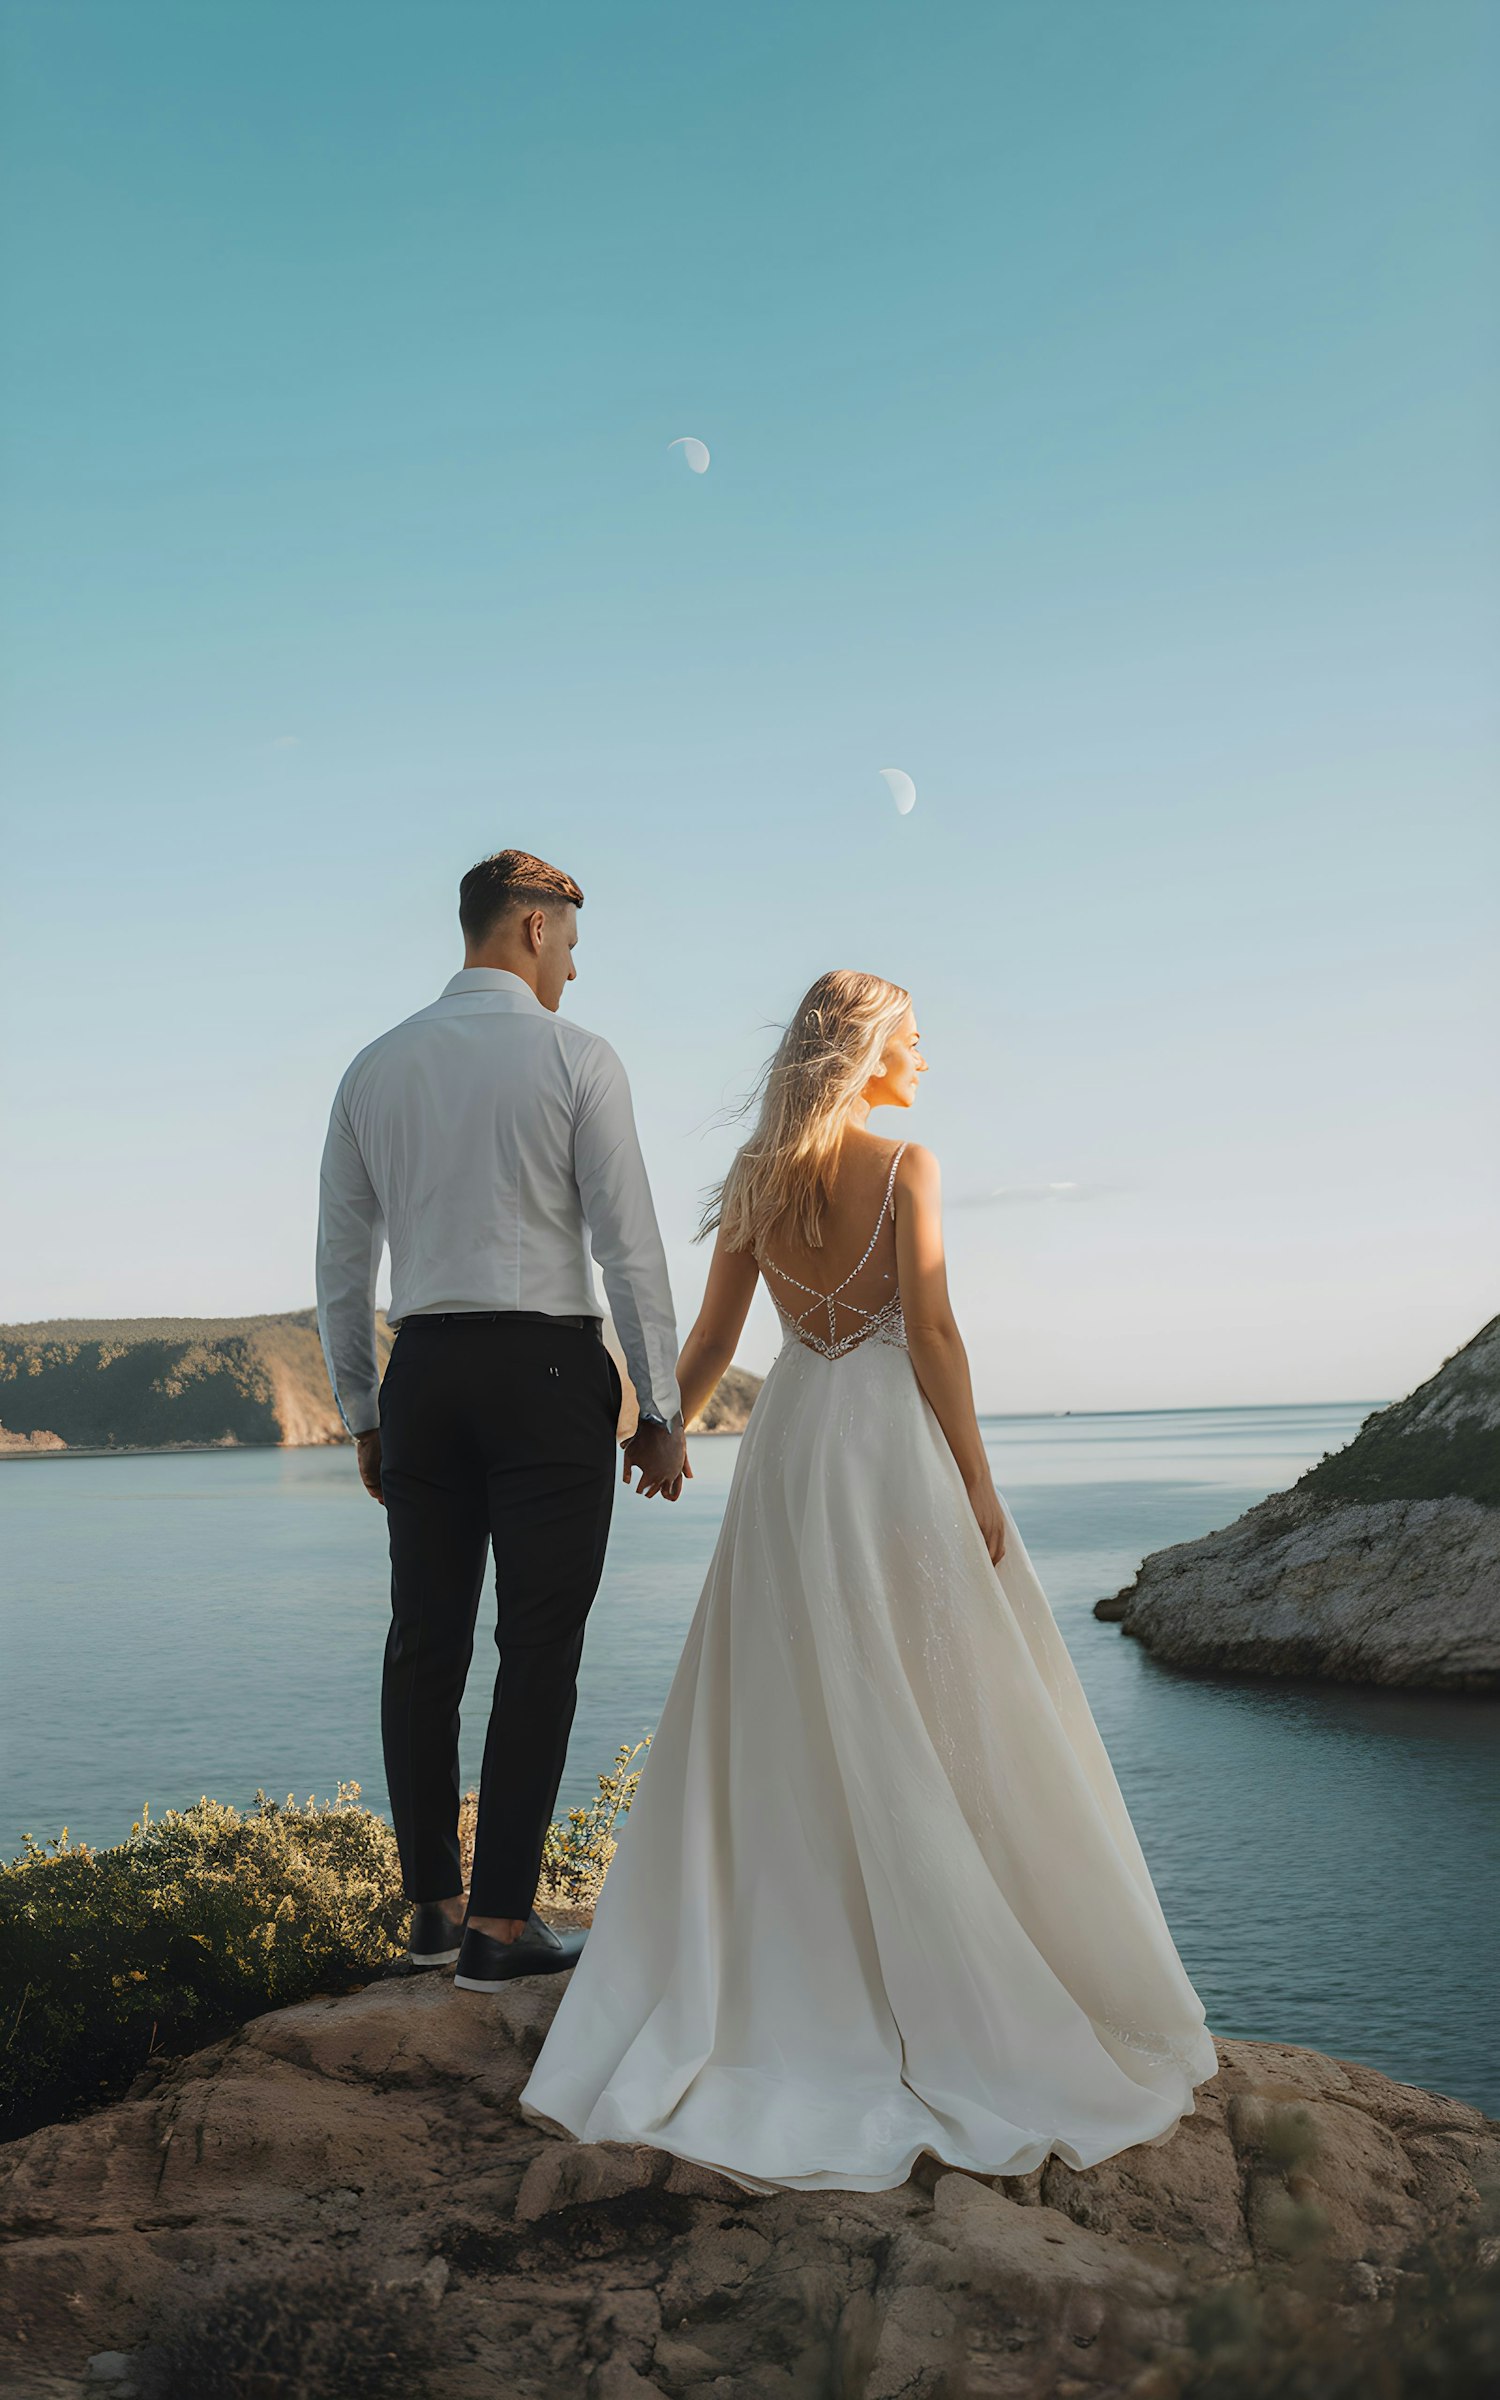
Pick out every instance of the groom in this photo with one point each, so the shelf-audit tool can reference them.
(491, 1144)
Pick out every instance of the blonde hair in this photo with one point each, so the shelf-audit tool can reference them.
(784, 1174)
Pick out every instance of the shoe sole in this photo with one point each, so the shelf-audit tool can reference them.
(431, 1958)
(497, 1983)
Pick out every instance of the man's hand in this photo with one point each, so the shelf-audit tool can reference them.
(661, 1455)
(367, 1451)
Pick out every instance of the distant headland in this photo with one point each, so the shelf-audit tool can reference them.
(194, 1383)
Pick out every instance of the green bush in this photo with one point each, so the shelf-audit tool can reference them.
(577, 1852)
(209, 1916)
(575, 1855)
(201, 1919)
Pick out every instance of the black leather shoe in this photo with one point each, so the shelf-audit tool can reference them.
(434, 1937)
(485, 1964)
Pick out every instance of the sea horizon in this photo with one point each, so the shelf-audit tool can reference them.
(987, 1416)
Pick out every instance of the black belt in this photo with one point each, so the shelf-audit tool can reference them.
(500, 1316)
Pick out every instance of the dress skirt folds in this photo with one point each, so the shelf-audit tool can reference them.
(878, 1893)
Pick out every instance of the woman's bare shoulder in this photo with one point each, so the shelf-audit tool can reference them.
(919, 1169)
(876, 1152)
(864, 1160)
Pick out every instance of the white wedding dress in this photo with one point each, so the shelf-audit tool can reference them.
(878, 1892)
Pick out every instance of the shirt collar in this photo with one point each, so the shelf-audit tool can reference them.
(490, 979)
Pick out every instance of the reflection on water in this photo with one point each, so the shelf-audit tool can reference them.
(1325, 1855)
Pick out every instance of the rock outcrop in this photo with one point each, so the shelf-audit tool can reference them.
(727, 1409)
(146, 1383)
(344, 2194)
(1382, 1565)
(22, 1445)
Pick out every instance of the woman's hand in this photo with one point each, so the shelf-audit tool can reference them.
(985, 1502)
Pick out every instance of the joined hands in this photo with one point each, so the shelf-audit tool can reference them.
(660, 1452)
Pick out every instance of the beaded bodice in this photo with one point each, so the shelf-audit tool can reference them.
(882, 1321)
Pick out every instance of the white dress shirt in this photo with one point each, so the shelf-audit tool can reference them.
(492, 1144)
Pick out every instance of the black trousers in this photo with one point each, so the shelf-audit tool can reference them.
(493, 1431)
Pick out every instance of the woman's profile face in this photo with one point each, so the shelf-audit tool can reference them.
(894, 1083)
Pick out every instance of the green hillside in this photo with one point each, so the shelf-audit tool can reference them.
(148, 1383)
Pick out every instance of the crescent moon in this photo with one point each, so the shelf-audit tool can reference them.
(694, 451)
(901, 788)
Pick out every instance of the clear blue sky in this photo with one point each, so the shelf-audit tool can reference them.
(1102, 401)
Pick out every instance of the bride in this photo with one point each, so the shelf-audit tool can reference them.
(878, 1893)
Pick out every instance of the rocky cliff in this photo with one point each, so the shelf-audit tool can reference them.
(342, 2199)
(145, 1383)
(1382, 1565)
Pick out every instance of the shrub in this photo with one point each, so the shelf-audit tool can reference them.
(208, 1916)
(575, 1855)
(201, 1919)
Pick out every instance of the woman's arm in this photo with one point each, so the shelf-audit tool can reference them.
(709, 1348)
(937, 1350)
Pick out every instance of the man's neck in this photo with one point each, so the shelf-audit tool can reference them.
(523, 968)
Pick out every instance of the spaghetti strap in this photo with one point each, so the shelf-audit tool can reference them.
(890, 1189)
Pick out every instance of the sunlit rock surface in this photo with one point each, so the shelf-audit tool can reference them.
(344, 2193)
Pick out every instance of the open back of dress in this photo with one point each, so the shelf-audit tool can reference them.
(864, 1306)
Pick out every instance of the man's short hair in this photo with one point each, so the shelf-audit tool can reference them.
(510, 880)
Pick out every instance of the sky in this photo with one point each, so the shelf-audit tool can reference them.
(1102, 402)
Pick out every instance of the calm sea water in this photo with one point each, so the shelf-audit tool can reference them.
(1326, 1857)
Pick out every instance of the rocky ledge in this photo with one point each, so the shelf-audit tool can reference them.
(343, 2200)
(1382, 1565)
